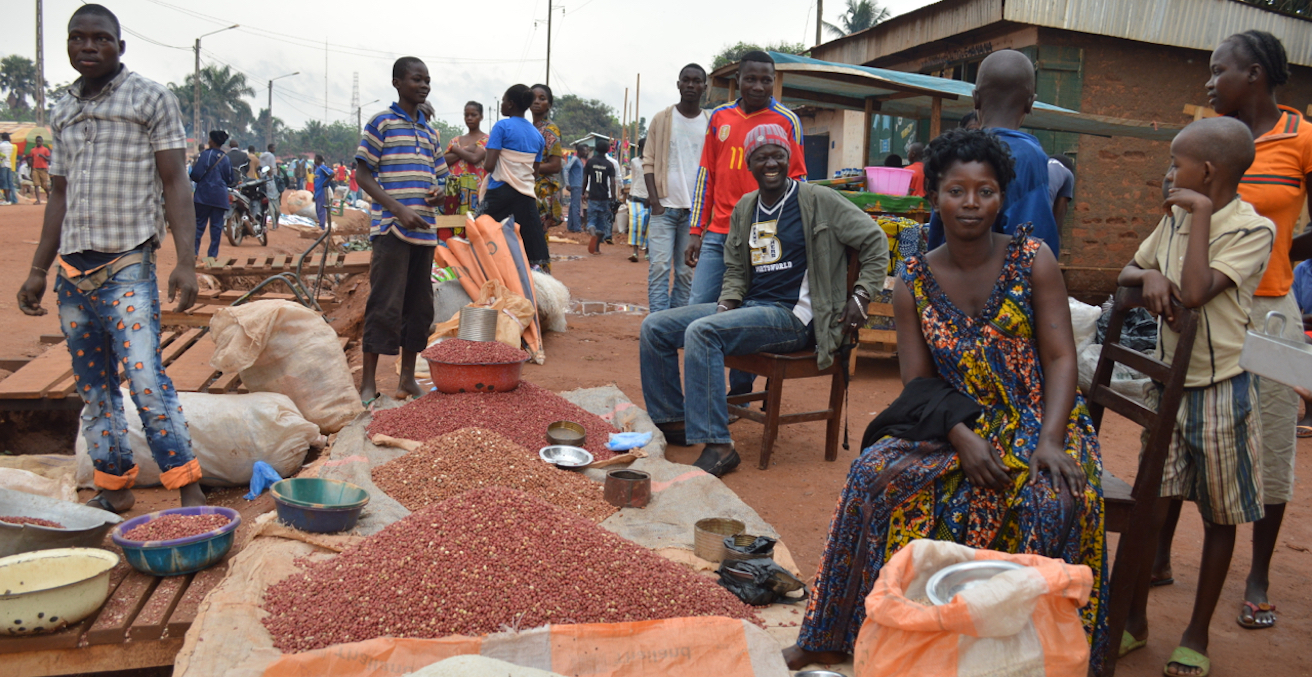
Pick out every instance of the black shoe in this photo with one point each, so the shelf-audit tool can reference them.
(676, 436)
(718, 467)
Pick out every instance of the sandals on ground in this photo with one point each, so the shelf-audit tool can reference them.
(99, 501)
(1304, 430)
(1189, 659)
(1248, 615)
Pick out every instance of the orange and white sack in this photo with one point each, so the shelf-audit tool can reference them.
(1020, 623)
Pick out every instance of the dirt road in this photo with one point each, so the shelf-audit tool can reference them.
(798, 493)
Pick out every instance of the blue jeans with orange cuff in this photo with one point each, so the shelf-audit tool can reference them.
(116, 326)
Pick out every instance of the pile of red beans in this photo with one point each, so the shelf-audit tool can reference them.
(170, 527)
(36, 521)
(486, 561)
(461, 351)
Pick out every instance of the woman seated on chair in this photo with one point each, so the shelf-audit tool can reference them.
(984, 317)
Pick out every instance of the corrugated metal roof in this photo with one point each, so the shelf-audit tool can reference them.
(1196, 24)
(1193, 24)
(824, 84)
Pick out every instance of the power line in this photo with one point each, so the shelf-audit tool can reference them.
(348, 50)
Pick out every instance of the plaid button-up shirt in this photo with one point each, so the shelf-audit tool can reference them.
(104, 147)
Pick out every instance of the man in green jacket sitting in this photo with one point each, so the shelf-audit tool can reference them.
(785, 289)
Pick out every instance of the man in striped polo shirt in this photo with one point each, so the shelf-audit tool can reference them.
(399, 166)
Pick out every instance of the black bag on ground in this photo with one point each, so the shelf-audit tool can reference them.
(763, 546)
(760, 582)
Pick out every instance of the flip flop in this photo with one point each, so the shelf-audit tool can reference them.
(1129, 644)
(99, 501)
(1252, 611)
(1304, 430)
(1190, 659)
(1159, 582)
(369, 402)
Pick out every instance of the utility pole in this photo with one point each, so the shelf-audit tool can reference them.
(637, 106)
(268, 134)
(548, 80)
(819, 19)
(40, 67)
(195, 85)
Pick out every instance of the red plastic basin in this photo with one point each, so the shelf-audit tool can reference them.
(475, 378)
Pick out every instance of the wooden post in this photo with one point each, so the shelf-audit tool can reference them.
(733, 89)
(935, 118)
(869, 122)
(778, 87)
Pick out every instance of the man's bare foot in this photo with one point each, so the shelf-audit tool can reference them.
(368, 392)
(191, 495)
(409, 388)
(797, 658)
(113, 500)
(1161, 576)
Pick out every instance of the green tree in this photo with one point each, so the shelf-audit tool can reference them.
(18, 81)
(222, 102)
(446, 131)
(732, 54)
(337, 141)
(860, 15)
(577, 117)
(260, 126)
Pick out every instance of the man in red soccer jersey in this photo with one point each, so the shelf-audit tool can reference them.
(724, 178)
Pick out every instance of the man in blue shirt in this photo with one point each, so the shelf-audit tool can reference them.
(574, 179)
(1004, 95)
(323, 175)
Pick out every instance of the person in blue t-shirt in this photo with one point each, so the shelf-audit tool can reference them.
(323, 176)
(1004, 95)
(212, 174)
(514, 150)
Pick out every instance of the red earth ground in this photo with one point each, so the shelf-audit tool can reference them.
(797, 493)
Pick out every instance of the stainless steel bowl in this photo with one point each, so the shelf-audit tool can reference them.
(819, 673)
(950, 580)
(565, 456)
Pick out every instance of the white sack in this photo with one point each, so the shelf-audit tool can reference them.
(283, 347)
(229, 433)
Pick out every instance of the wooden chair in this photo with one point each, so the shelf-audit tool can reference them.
(777, 368)
(1129, 511)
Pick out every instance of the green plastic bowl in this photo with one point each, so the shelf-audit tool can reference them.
(313, 492)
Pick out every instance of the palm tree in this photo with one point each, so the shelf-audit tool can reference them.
(860, 15)
(222, 103)
(18, 78)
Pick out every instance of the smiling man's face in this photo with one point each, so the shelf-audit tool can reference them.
(94, 47)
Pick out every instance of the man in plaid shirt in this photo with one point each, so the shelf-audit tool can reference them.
(118, 145)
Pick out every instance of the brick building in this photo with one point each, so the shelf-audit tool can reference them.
(1136, 59)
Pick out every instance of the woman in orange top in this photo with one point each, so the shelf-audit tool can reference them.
(1246, 70)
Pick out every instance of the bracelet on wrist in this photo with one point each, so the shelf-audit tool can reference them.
(43, 271)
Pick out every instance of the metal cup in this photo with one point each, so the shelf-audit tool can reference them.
(478, 324)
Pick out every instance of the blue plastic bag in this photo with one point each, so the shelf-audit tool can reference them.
(626, 441)
(262, 477)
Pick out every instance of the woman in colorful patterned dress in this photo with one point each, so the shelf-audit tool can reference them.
(987, 314)
(548, 171)
(465, 157)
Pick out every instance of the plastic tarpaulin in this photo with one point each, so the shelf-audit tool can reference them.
(1022, 623)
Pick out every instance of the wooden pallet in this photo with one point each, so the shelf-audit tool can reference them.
(265, 265)
(47, 381)
(209, 302)
(141, 625)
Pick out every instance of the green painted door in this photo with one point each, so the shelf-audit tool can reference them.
(1059, 81)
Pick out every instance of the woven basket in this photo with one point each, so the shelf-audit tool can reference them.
(708, 537)
(741, 540)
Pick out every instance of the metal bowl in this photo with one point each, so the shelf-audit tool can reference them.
(950, 580)
(83, 527)
(565, 456)
(819, 673)
(47, 590)
(567, 433)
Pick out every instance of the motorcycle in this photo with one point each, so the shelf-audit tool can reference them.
(251, 212)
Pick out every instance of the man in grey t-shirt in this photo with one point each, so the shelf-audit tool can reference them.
(1061, 185)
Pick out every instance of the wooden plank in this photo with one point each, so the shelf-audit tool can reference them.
(152, 620)
(51, 339)
(192, 370)
(877, 335)
(39, 376)
(935, 117)
(180, 345)
(111, 627)
(224, 383)
(184, 611)
(280, 262)
(67, 638)
(880, 309)
(14, 363)
(94, 659)
(169, 318)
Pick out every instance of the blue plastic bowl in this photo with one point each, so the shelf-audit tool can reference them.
(319, 505)
(180, 555)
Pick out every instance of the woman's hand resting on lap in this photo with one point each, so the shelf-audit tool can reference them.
(1063, 471)
(978, 459)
